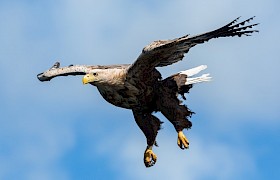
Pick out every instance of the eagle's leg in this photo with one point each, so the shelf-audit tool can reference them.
(171, 107)
(177, 116)
(149, 125)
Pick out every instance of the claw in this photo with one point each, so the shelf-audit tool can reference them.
(150, 158)
(182, 141)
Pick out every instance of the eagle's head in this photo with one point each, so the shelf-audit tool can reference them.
(104, 77)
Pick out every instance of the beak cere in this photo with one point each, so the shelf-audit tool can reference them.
(87, 78)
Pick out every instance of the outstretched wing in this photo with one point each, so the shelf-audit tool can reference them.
(165, 52)
(73, 70)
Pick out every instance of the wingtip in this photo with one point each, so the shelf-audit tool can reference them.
(41, 77)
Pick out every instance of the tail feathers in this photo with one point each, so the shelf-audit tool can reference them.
(203, 78)
(194, 71)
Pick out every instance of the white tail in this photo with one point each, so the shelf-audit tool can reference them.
(194, 71)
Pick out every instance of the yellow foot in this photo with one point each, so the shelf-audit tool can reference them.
(182, 141)
(150, 158)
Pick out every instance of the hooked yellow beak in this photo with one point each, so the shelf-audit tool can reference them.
(88, 78)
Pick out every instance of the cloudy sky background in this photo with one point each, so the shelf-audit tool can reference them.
(64, 130)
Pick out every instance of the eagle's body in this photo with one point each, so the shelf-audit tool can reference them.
(140, 87)
(124, 95)
(116, 91)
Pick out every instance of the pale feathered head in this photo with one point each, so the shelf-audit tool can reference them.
(104, 77)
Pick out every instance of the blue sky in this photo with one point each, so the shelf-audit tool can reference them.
(64, 130)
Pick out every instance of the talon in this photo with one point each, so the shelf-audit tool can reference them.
(182, 141)
(150, 158)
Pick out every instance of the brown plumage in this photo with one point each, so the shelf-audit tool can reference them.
(140, 87)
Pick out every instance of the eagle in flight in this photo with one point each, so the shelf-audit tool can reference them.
(140, 87)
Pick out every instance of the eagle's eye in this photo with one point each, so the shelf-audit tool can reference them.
(95, 74)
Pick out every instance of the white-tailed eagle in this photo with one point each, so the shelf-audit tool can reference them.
(139, 86)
